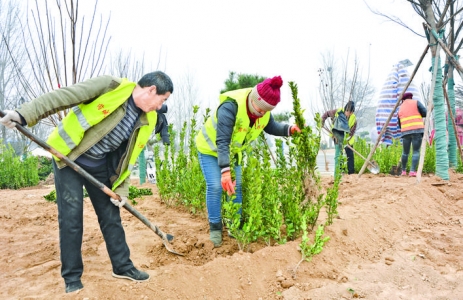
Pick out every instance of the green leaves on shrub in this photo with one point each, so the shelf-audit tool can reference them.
(277, 192)
(45, 167)
(389, 156)
(178, 174)
(51, 197)
(16, 171)
(134, 193)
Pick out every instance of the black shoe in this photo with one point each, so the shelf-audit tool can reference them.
(133, 274)
(74, 286)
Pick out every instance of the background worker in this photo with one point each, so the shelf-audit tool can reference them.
(162, 126)
(348, 111)
(146, 162)
(411, 114)
(249, 111)
(109, 122)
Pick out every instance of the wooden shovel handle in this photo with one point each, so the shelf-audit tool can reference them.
(98, 184)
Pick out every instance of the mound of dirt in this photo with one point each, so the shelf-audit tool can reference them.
(393, 239)
(49, 181)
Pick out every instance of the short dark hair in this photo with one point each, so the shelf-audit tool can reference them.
(160, 79)
(350, 106)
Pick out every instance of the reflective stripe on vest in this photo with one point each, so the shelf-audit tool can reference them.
(206, 137)
(409, 115)
(142, 138)
(70, 131)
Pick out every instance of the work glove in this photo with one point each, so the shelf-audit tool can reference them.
(119, 203)
(227, 183)
(10, 118)
(293, 129)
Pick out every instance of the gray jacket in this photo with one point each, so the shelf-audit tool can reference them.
(86, 92)
(226, 117)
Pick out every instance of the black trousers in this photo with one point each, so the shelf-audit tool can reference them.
(350, 160)
(69, 197)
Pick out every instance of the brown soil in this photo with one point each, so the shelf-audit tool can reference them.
(393, 239)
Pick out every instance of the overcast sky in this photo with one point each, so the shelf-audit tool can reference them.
(209, 38)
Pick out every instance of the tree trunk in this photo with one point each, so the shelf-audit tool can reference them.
(453, 162)
(440, 136)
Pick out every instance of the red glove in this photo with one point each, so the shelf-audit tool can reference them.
(293, 129)
(227, 183)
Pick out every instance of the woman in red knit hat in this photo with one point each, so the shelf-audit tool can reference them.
(249, 110)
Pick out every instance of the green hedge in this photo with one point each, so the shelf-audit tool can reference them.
(15, 171)
(389, 156)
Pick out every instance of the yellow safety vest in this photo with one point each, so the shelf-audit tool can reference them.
(70, 131)
(140, 143)
(351, 122)
(206, 137)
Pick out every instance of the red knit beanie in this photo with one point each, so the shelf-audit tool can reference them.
(407, 96)
(266, 94)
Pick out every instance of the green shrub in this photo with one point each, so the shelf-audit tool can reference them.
(134, 192)
(388, 156)
(275, 195)
(15, 172)
(51, 197)
(45, 167)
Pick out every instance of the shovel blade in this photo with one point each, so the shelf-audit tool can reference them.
(373, 167)
(169, 248)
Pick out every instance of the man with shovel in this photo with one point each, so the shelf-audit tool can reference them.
(109, 122)
(344, 122)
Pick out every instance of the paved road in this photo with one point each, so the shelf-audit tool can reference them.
(325, 159)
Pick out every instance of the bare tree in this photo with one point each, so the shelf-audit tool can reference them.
(340, 83)
(180, 104)
(439, 14)
(128, 65)
(10, 95)
(125, 65)
(59, 47)
(453, 33)
(459, 96)
(63, 47)
(425, 90)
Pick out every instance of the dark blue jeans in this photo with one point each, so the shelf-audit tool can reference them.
(69, 197)
(413, 139)
(211, 171)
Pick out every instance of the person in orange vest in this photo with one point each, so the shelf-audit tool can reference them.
(411, 114)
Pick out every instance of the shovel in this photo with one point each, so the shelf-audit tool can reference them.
(166, 238)
(372, 166)
(396, 170)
